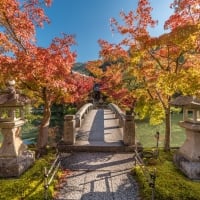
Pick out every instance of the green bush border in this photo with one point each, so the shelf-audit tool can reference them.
(30, 185)
(171, 183)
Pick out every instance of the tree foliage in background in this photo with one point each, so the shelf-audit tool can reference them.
(18, 22)
(155, 68)
(44, 74)
(164, 63)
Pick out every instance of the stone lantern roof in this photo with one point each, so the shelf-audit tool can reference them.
(12, 106)
(11, 97)
(186, 101)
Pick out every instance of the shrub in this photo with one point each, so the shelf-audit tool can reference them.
(171, 183)
(30, 185)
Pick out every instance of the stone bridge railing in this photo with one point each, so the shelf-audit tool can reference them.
(71, 122)
(118, 113)
(81, 113)
(127, 123)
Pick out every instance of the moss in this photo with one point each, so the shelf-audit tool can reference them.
(171, 183)
(30, 185)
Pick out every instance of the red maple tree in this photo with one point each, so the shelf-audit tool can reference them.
(45, 74)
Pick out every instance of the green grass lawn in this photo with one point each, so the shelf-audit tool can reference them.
(145, 133)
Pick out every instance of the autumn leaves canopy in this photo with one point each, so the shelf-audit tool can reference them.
(45, 74)
(141, 73)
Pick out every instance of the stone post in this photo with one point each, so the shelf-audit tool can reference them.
(69, 129)
(121, 121)
(129, 130)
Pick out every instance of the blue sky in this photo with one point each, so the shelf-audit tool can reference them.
(88, 20)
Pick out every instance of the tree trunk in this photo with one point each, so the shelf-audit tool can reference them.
(167, 129)
(42, 139)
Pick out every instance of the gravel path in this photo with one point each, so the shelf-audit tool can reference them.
(98, 176)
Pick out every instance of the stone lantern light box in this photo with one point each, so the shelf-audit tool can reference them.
(15, 158)
(188, 156)
(11, 112)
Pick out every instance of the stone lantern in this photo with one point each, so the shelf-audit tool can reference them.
(188, 156)
(14, 156)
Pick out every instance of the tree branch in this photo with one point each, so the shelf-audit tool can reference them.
(9, 28)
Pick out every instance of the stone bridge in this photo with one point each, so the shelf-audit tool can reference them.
(104, 128)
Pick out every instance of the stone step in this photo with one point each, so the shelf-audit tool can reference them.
(95, 147)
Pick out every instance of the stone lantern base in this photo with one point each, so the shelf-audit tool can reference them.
(15, 166)
(190, 168)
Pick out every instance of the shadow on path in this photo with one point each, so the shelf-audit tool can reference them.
(98, 176)
(120, 186)
(98, 161)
